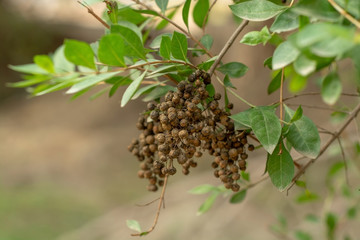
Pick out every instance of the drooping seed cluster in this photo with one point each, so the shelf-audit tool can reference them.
(184, 125)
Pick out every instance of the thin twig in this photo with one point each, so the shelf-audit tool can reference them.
(344, 13)
(227, 46)
(292, 2)
(159, 14)
(314, 94)
(318, 107)
(147, 204)
(95, 15)
(207, 16)
(281, 103)
(345, 163)
(351, 117)
(158, 209)
(251, 185)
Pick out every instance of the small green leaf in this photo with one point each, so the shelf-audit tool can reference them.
(200, 11)
(284, 54)
(234, 69)
(210, 89)
(256, 10)
(207, 40)
(275, 83)
(162, 4)
(335, 168)
(61, 64)
(90, 81)
(185, 12)
(165, 47)
(79, 53)
(268, 62)
(331, 88)
(297, 83)
(281, 168)
(303, 135)
(320, 9)
(301, 235)
(304, 66)
(207, 64)
(256, 37)
(306, 197)
(133, 225)
(158, 92)
(208, 203)
(227, 82)
(298, 114)
(130, 91)
(157, 40)
(28, 68)
(266, 127)
(301, 184)
(243, 118)
(331, 222)
(238, 197)
(133, 45)
(351, 212)
(202, 189)
(285, 21)
(179, 46)
(245, 176)
(45, 62)
(112, 50)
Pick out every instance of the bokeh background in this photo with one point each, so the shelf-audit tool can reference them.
(65, 172)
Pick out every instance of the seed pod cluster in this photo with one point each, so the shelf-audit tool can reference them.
(181, 127)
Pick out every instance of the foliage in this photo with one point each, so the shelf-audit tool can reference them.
(310, 39)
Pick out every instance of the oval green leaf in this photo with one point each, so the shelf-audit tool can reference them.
(280, 168)
(286, 21)
(130, 91)
(284, 54)
(185, 12)
(234, 69)
(112, 50)
(79, 53)
(303, 134)
(162, 4)
(90, 81)
(200, 11)
(179, 46)
(331, 88)
(165, 47)
(257, 10)
(45, 62)
(238, 197)
(133, 225)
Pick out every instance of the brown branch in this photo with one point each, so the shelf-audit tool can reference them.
(318, 107)
(351, 117)
(345, 163)
(175, 25)
(158, 209)
(315, 94)
(344, 13)
(94, 14)
(147, 204)
(227, 46)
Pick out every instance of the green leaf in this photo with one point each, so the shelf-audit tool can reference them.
(227, 82)
(245, 176)
(266, 127)
(144, 90)
(132, 43)
(301, 184)
(119, 81)
(303, 135)
(202, 189)
(162, 4)
(280, 168)
(64, 82)
(99, 93)
(165, 47)
(304, 66)
(306, 197)
(207, 40)
(238, 197)
(208, 203)
(268, 62)
(157, 41)
(256, 37)
(298, 114)
(335, 168)
(30, 80)
(130, 91)
(126, 13)
(331, 222)
(112, 50)
(210, 89)
(331, 88)
(61, 64)
(90, 81)
(233, 69)
(133, 225)
(301, 235)
(179, 46)
(28, 68)
(285, 21)
(200, 11)
(297, 83)
(275, 83)
(284, 54)
(79, 53)
(351, 212)
(185, 12)
(320, 9)
(256, 10)
(158, 92)
(45, 62)
(243, 118)
(207, 64)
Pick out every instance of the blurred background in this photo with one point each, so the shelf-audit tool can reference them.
(65, 172)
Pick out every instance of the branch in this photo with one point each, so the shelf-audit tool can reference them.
(351, 117)
(207, 15)
(344, 13)
(318, 107)
(227, 46)
(316, 93)
(177, 26)
(345, 163)
(158, 210)
(94, 14)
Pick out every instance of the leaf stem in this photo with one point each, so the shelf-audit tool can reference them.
(227, 46)
(344, 13)
(207, 16)
(162, 195)
(351, 117)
